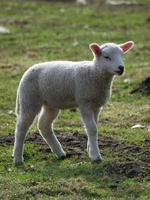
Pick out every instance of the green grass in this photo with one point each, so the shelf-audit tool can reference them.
(41, 31)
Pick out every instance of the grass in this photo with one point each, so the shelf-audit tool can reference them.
(41, 31)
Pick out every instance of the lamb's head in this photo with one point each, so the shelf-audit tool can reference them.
(108, 57)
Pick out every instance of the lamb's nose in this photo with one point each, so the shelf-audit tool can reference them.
(121, 68)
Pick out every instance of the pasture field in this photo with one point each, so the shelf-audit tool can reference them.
(60, 30)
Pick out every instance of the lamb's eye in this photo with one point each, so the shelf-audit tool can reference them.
(107, 58)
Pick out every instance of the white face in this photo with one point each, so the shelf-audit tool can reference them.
(109, 56)
(111, 59)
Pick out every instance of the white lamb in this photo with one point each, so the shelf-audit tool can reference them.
(47, 87)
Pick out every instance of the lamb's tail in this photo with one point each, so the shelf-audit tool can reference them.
(17, 104)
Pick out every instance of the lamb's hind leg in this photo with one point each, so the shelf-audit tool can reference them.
(46, 117)
(24, 120)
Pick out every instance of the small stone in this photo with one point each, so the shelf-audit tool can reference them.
(75, 43)
(11, 112)
(9, 170)
(62, 10)
(4, 30)
(137, 126)
(81, 2)
(127, 80)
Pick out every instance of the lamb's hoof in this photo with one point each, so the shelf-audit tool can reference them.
(97, 159)
(62, 156)
(18, 161)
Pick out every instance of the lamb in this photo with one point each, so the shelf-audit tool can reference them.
(46, 88)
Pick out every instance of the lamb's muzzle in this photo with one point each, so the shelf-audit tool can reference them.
(120, 70)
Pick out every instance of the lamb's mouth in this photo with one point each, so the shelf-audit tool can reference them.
(119, 72)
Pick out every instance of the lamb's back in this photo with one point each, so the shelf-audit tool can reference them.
(57, 82)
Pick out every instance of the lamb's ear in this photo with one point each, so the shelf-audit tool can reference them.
(127, 46)
(95, 48)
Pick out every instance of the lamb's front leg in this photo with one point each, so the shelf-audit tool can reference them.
(91, 129)
(96, 114)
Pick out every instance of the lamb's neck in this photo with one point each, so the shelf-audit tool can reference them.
(104, 78)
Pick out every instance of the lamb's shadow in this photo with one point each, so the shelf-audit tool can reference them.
(121, 159)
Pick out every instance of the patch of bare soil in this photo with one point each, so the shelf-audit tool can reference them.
(143, 87)
(130, 160)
